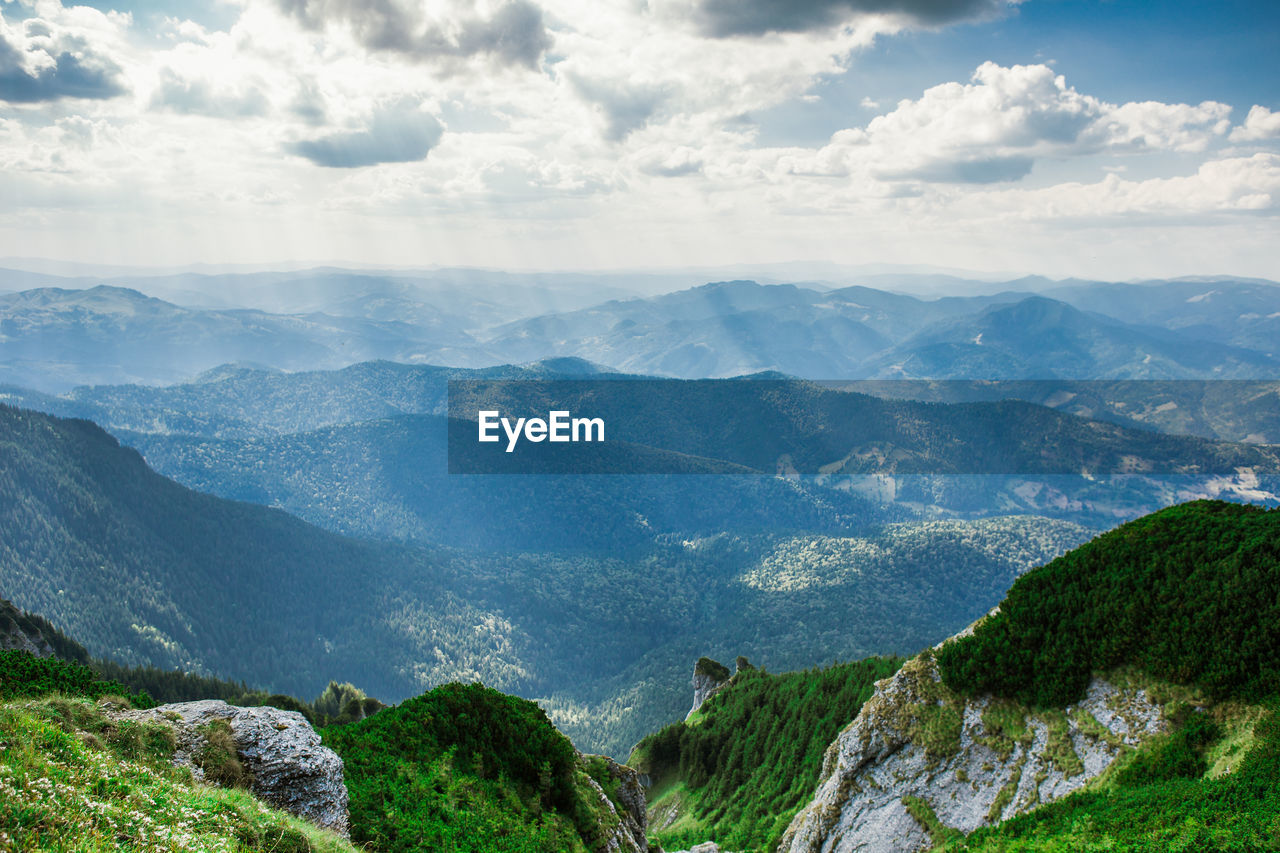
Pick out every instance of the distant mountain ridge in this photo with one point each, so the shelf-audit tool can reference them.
(52, 338)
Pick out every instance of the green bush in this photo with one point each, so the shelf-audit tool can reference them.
(464, 768)
(755, 754)
(1177, 756)
(1187, 594)
(22, 674)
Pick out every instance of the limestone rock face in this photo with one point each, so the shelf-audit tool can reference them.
(918, 754)
(708, 677)
(629, 835)
(291, 769)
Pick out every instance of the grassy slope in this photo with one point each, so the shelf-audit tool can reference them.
(466, 768)
(738, 771)
(71, 779)
(1189, 594)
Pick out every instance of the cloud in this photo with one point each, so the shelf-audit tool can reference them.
(626, 106)
(675, 164)
(726, 18)
(995, 127)
(1260, 125)
(41, 65)
(514, 34)
(1172, 127)
(393, 135)
(1234, 185)
(200, 97)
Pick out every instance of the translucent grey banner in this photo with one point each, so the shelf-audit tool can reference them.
(784, 427)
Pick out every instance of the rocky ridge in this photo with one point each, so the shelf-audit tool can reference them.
(708, 677)
(290, 769)
(628, 835)
(920, 762)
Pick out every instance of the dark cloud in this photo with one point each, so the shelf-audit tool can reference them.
(76, 73)
(626, 108)
(196, 97)
(393, 136)
(725, 18)
(990, 170)
(514, 35)
(309, 104)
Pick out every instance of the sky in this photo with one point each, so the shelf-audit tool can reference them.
(1106, 138)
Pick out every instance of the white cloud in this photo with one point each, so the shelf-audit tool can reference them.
(1233, 185)
(994, 128)
(1260, 125)
(60, 53)
(628, 122)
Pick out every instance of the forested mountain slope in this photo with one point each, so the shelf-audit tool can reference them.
(1132, 683)
(146, 571)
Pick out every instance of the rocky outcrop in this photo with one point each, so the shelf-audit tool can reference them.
(919, 761)
(289, 767)
(708, 677)
(33, 634)
(625, 816)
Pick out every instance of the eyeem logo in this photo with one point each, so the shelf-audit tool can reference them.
(558, 426)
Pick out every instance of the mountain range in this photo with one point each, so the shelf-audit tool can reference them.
(150, 330)
(146, 571)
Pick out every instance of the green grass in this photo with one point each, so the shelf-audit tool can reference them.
(1186, 595)
(753, 757)
(467, 768)
(73, 780)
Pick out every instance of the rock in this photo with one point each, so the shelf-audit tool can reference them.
(26, 633)
(628, 834)
(917, 750)
(708, 677)
(291, 769)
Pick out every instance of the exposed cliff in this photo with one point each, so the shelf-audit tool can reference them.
(623, 819)
(281, 755)
(34, 634)
(920, 762)
(708, 677)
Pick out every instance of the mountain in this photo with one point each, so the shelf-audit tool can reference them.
(730, 329)
(1239, 312)
(1041, 338)
(148, 572)
(363, 451)
(1229, 409)
(34, 634)
(1152, 330)
(52, 339)
(747, 759)
(1131, 684)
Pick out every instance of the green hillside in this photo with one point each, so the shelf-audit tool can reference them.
(72, 778)
(466, 768)
(145, 571)
(739, 770)
(148, 573)
(1189, 595)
